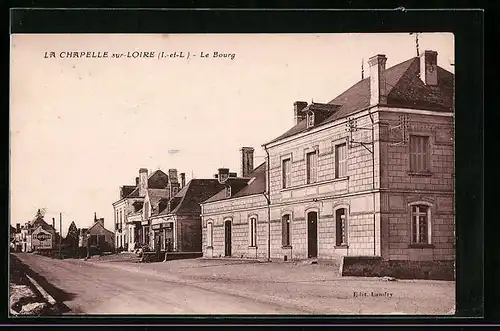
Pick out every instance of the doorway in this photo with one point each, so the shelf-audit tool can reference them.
(312, 235)
(227, 236)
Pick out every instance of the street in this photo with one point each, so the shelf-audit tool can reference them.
(201, 287)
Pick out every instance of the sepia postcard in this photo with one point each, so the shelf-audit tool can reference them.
(232, 174)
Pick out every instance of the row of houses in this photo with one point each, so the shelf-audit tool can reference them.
(367, 178)
(39, 236)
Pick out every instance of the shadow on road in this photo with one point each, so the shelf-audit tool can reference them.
(19, 270)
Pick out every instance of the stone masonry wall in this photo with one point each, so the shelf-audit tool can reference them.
(402, 187)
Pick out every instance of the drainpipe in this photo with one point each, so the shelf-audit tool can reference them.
(267, 195)
(373, 182)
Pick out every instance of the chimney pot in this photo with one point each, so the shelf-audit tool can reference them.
(298, 106)
(246, 165)
(428, 67)
(136, 181)
(378, 89)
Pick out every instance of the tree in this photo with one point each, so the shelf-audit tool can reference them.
(71, 239)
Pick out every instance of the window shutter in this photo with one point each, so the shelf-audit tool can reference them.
(249, 232)
(338, 230)
(284, 234)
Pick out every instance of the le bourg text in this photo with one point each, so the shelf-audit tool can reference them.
(139, 55)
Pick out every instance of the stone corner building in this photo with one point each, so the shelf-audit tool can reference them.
(366, 179)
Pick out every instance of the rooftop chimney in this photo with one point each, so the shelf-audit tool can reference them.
(428, 67)
(136, 181)
(223, 174)
(297, 107)
(54, 223)
(183, 179)
(143, 181)
(246, 164)
(172, 176)
(18, 227)
(378, 89)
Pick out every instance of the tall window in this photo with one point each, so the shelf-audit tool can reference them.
(252, 231)
(285, 224)
(420, 233)
(209, 233)
(121, 216)
(312, 166)
(419, 157)
(340, 160)
(341, 227)
(286, 169)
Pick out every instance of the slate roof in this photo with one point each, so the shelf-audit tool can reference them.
(188, 199)
(404, 89)
(98, 222)
(240, 187)
(155, 195)
(157, 180)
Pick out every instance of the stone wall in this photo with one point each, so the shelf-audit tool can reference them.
(377, 267)
(238, 211)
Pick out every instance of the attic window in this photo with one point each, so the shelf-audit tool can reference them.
(310, 119)
(228, 191)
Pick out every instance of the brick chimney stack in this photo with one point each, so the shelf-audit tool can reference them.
(378, 88)
(143, 181)
(183, 179)
(223, 174)
(136, 181)
(246, 165)
(172, 176)
(297, 107)
(428, 67)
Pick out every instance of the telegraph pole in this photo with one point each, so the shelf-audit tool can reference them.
(60, 234)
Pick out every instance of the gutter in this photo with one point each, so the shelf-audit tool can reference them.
(373, 183)
(267, 195)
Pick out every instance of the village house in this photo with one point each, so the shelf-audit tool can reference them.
(131, 219)
(97, 238)
(233, 218)
(176, 223)
(366, 179)
(37, 235)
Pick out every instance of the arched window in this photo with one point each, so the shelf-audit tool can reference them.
(252, 231)
(210, 233)
(285, 227)
(341, 226)
(420, 222)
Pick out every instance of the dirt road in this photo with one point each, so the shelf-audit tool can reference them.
(200, 287)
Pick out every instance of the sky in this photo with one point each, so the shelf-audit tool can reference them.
(82, 127)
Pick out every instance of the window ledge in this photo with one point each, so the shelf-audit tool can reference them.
(288, 188)
(421, 246)
(252, 247)
(423, 173)
(286, 246)
(342, 246)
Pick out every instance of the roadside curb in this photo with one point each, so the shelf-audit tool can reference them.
(44, 293)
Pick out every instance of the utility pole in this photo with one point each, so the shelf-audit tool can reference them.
(60, 234)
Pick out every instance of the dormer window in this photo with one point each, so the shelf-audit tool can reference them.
(310, 119)
(228, 191)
